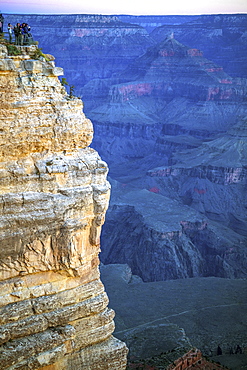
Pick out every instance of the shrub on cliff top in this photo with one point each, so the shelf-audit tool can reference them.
(12, 49)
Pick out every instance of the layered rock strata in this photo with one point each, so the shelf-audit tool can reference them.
(54, 195)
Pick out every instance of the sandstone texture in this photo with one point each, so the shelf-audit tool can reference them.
(53, 199)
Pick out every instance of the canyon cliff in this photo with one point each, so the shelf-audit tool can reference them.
(170, 123)
(167, 98)
(54, 195)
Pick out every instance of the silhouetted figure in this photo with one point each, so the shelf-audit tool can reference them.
(18, 34)
(231, 351)
(238, 349)
(1, 23)
(219, 351)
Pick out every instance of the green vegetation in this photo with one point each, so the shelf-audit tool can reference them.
(71, 91)
(64, 82)
(71, 87)
(12, 49)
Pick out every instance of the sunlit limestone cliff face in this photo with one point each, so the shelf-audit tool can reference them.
(54, 195)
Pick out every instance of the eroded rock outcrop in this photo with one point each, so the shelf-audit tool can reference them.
(150, 237)
(54, 194)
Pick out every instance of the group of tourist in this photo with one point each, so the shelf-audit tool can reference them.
(21, 32)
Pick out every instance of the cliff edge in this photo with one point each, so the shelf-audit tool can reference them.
(53, 199)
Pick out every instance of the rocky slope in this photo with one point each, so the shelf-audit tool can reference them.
(54, 195)
(163, 239)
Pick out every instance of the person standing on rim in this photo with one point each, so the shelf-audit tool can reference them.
(10, 31)
(18, 34)
(1, 22)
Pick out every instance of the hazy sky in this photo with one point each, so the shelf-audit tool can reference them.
(123, 6)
